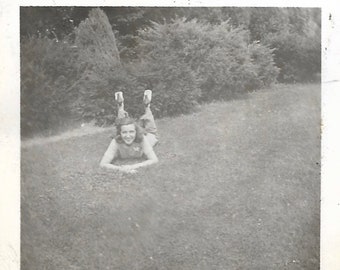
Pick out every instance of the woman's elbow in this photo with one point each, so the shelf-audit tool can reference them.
(102, 164)
(155, 160)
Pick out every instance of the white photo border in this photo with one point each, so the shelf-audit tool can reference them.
(10, 117)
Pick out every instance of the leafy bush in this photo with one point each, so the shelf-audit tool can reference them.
(103, 74)
(210, 61)
(295, 34)
(265, 67)
(174, 85)
(183, 62)
(47, 72)
(298, 56)
(64, 79)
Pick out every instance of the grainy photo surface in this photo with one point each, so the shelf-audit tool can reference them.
(232, 180)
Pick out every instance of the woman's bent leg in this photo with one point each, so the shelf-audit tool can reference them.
(120, 101)
(147, 121)
(121, 112)
(152, 139)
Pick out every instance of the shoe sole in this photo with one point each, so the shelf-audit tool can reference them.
(147, 97)
(119, 97)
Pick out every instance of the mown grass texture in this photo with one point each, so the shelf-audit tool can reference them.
(237, 187)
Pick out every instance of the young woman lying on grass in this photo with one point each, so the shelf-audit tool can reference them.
(133, 141)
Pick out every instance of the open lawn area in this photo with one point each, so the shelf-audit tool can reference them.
(237, 187)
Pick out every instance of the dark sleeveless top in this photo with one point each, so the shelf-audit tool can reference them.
(133, 151)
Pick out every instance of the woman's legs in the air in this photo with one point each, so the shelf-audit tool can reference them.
(147, 121)
(120, 101)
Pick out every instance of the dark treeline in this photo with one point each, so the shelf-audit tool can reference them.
(288, 30)
(74, 58)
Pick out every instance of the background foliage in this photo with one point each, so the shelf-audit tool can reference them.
(48, 72)
(73, 59)
(217, 60)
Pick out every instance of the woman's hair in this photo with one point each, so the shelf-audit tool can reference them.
(128, 121)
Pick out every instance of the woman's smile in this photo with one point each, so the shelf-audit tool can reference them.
(128, 133)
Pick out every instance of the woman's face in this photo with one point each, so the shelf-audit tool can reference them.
(128, 133)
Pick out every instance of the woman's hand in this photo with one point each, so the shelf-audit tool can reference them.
(123, 168)
(128, 169)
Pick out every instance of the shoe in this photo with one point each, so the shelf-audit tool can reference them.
(119, 97)
(147, 97)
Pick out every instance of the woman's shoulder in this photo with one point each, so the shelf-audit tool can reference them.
(144, 139)
(113, 144)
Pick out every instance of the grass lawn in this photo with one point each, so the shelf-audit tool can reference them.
(237, 187)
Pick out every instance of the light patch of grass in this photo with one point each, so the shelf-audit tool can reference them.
(82, 130)
(237, 187)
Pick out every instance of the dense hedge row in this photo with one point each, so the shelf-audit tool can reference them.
(298, 57)
(74, 78)
(295, 34)
(187, 62)
(48, 73)
(183, 62)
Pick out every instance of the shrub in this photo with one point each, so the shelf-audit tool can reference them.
(217, 59)
(295, 35)
(266, 70)
(64, 79)
(103, 74)
(47, 74)
(298, 56)
(174, 85)
(183, 62)
(163, 69)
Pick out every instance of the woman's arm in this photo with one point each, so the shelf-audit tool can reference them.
(109, 155)
(150, 155)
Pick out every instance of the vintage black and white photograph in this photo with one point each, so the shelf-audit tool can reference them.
(170, 138)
